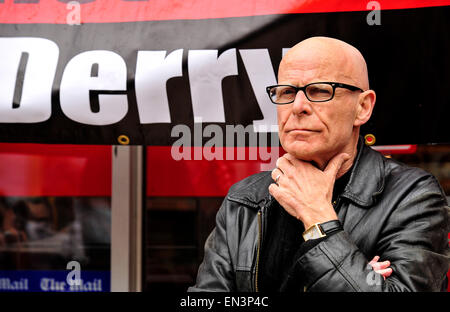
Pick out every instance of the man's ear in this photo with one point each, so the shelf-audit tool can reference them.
(366, 103)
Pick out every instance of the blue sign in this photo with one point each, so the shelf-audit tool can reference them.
(54, 281)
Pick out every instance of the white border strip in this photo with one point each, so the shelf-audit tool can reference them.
(382, 148)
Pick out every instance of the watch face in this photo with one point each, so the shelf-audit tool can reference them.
(313, 232)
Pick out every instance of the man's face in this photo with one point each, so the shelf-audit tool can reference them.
(316, 131)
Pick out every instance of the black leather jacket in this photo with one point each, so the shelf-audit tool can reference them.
(388, 209)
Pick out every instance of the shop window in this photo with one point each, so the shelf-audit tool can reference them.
(55, 217)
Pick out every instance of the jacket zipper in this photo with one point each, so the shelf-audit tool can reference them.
(258, 250)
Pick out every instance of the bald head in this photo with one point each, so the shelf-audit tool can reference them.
(316, 131)
(330, 58)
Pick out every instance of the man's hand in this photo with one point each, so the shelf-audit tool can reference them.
(305, 191)
(381, 267)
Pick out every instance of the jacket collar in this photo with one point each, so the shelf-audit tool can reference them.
(365, 183)
(367, 178)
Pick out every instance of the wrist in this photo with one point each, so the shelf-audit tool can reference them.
(308, 221)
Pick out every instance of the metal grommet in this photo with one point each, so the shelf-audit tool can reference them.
(123, 139)
(369, 139)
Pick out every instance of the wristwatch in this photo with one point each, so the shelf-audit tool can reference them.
(318, 230)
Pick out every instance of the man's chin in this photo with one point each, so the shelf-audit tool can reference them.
(302, 150)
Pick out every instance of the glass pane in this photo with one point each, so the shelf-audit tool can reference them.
(55, 217)
(177, 228)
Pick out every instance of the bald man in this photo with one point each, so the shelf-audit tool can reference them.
(333, 207)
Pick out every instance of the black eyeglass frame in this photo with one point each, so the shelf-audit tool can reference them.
(334, 85)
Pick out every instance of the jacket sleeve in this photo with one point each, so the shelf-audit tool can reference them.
(216, 271)
(414, 239)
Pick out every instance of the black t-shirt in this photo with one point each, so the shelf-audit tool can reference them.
(284, 242)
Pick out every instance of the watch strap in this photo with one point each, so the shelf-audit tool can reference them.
(331, 226)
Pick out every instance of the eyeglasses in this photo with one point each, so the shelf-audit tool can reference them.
(314, 92)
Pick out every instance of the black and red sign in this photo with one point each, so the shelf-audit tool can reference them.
(89, 72)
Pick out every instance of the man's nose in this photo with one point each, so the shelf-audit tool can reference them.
(301, 104)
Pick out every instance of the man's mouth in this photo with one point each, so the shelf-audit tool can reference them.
(301, 131)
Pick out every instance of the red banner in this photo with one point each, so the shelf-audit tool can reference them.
(111, 11)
